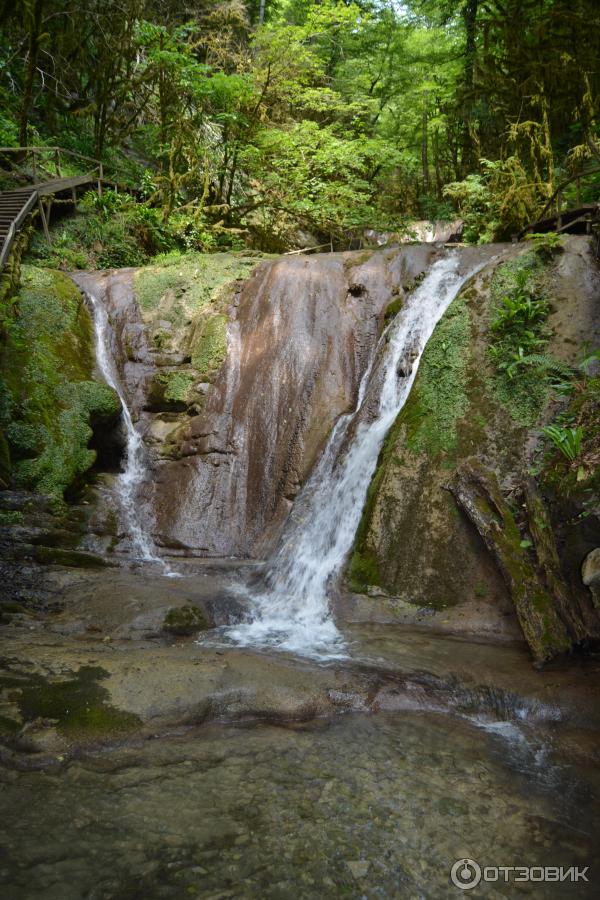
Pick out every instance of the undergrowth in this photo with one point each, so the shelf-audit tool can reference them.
(518, 335)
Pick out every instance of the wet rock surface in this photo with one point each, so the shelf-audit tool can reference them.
(230, 445)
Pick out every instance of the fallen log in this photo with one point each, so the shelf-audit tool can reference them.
(540, 528)
(478, 494)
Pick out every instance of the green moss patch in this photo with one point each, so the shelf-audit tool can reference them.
(428, 423)
(192, 290)
(210, 346)
(171, 390)
(439, 399)
(193, 278)
(185, 620)
(49, 403)
(78, 705)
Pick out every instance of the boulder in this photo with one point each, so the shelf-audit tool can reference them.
(185, 620)
(590, 574)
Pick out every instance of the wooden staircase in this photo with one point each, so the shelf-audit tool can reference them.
(17, 204)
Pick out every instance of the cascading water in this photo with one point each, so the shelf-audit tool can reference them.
(132, 477)
(293, 612)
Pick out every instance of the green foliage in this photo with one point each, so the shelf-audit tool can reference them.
(391, 103)
(311, 176)
(50, 401)
(575, 432)
(523, 372)
(546, 245)
(497, 202)
(568, 440)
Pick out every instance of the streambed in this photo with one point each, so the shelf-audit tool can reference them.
(357, 806)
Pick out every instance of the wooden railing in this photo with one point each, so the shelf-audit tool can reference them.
(55, 154)
(555, 204)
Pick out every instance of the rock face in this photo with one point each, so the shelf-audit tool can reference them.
(236, 385)
(590, 574)
(413, 543)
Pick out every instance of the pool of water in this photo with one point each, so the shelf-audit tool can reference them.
(359, 806)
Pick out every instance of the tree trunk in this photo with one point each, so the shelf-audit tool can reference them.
(469, 14)
(541, 531)
(424, 146)
(477, 492)
(34, 17)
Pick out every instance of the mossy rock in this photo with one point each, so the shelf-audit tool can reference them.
(49, 402)
(79, 705)
(171, 391)
(78, 559)
(392, 309)
(185, 620)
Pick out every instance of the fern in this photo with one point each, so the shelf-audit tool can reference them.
(544, 362)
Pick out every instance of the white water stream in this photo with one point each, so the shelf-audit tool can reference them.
(132, 477)
(293, 613)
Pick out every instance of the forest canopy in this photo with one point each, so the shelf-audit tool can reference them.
(274, 122)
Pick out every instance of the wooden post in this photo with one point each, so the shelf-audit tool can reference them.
(74, 196)
(44, 220)
(578, 192)
(34, 164)
(57, 161)
(100, 177)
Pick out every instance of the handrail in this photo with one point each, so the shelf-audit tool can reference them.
(14, 227)
(558, 192)
(40, 149)
(8, 241)
(52, 186)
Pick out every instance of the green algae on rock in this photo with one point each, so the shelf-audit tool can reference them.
(78, 704)
(185, 620)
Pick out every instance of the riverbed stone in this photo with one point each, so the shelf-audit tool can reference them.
(185, 620)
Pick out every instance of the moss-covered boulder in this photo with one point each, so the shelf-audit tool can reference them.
(185, 620)
(49, 400)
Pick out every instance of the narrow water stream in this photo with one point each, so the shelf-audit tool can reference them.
(293, 612)
(131, 479)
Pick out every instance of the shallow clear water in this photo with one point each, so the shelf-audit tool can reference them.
(362, 806)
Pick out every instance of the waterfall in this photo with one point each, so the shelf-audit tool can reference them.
(133, 475)
(293, 611)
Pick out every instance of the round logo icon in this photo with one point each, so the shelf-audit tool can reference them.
(465, 874)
